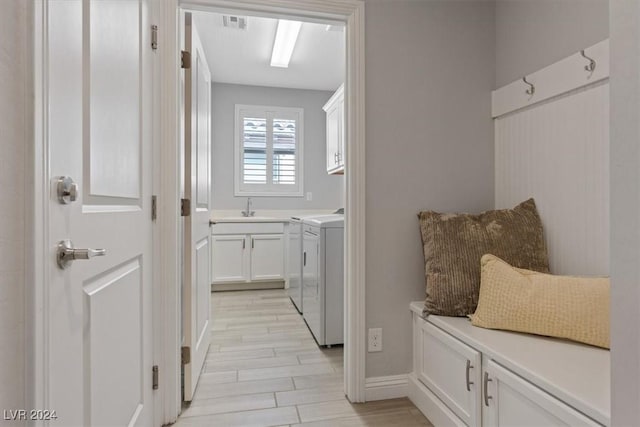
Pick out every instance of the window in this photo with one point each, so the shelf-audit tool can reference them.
(268, 151)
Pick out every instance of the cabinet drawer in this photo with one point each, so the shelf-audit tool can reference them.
(451, 370)
(511, 400)
(248, 228)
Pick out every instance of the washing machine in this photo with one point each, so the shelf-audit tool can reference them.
(323, 278)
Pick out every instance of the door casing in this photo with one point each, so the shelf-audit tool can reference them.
(167, 184)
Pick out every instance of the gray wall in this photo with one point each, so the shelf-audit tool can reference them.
(625, 212)
(328, 192)
(14, 78)
(531, 34)
(429, 74)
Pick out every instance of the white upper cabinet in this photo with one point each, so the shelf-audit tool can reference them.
(335, 132)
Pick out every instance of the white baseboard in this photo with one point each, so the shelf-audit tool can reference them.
(389, 387)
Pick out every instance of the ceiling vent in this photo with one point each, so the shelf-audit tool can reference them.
(237, 22)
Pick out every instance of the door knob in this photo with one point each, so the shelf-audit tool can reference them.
(67, 253)
(67, 190)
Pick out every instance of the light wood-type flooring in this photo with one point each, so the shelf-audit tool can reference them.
(265, 369)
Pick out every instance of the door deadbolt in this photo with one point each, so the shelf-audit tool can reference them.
(67, 190)
(67, 253)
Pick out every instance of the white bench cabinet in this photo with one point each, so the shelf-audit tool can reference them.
(451, 370)
(512, 401)
(468, 376)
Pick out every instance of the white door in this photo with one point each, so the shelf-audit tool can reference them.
(267, 257)
(197, 178)
(98, 360)
(229, 258)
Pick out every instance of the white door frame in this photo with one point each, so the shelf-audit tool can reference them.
(352, 13)
(167, 184)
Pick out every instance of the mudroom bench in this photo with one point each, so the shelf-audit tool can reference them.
(469, 376)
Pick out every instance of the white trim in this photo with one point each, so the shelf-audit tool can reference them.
(37, 282)
(355, 224)
(169, 237)
(561, 77)
(388, 387)
(349, 11)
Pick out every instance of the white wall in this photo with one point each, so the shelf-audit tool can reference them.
(531, 34)
(429, 74)
(625, 212)
(327, 190)
(14, 77)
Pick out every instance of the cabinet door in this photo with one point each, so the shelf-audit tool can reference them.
(341, 135)
(510, 400)
(229, 258)
(267, 257)
(451, 370)
(333, 136)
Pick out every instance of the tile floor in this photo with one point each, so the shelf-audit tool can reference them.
(264, 369)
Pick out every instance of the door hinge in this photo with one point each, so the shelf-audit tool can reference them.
(185, 354)
(154, 208)
(155, 377)
(154, 37)
(185, 207)
(185, 59)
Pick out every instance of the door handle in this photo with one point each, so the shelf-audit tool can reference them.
(244, 242)
(67, 253)
(252, 244)
(304, 258)
(469, 367)
(486, 389)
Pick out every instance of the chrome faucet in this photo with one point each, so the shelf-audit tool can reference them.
(248, 212)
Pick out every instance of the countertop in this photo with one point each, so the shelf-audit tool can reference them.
(220, 216)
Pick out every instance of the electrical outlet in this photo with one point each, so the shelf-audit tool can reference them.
(375, 340)
(309, 196)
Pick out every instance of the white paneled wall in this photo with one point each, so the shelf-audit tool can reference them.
(558, 152)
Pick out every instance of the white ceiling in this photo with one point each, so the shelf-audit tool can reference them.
(243, 56)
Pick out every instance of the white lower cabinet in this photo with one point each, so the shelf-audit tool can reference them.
(229, 258)
(451, 370)
(267, 257)
(459, 377)
(247, 253)
(509, 400)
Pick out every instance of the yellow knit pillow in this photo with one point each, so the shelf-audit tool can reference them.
(576, 308)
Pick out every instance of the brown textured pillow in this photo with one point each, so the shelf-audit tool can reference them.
(454, 243)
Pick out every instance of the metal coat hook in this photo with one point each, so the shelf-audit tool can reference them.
(592, 63)
(532, 88)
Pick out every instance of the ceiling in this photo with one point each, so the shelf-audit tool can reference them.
(243, 56)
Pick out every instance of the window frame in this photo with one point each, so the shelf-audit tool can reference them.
(268, 189)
